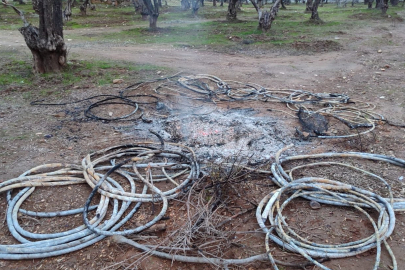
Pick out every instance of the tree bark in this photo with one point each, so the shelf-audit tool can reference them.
(67, 12)
(46, 42)
(314, 14)
(384, 6)
(141, 9)
(153, 21)
(394, 3)
(232, 10)
(153, 11)
(185, 4)
(266, 18)
(308, 7)
(195, 6)
(214, 3)
(83, 8)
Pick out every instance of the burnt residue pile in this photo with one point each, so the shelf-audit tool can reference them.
(209, 205)
(220, 134)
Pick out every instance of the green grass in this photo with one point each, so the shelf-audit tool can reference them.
(16, 72)
(17, 75)
(210, 29)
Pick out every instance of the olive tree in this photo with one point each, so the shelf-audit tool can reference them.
(46, 41)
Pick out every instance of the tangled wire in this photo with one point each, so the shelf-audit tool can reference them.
(354, 115)
(128, 176)
(116, 174)
(173, 163)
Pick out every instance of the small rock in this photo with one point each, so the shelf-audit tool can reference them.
(59, 115)
(110, 113)
(160, 106)
(305, 134)
(48, 136)
(159, 72)
(70, 148)
(382, 69)
(401, 178)
(382, 97)
(379, 51)
(69, 39)
(315, 205)
(118, 81)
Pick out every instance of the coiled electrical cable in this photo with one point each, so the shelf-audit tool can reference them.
(41, 245)
(282, 178)
(271, 208)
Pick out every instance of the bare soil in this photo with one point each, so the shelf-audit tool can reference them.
(352, 65)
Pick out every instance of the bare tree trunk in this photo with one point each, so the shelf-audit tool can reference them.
(370, 3)
(308, 8)
(153, 11)
(153, 22)
(185, 4)
(394, 3)
(232, 10)
(384, 6)
(141, 9)
(266, 18)
(67, 12)
(46, 42)
(282, 5)
(214, 3)
(195, 6)
(83, 8)
(314, 14)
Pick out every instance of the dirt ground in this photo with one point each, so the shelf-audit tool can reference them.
(367, 68)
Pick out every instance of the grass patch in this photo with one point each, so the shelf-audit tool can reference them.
(209, 28)
(16, 75)
(17, 72)
(178, 28)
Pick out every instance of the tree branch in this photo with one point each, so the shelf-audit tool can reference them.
(19, 12)
(255, 5)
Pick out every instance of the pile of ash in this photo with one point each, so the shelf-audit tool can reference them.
(220, 134)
